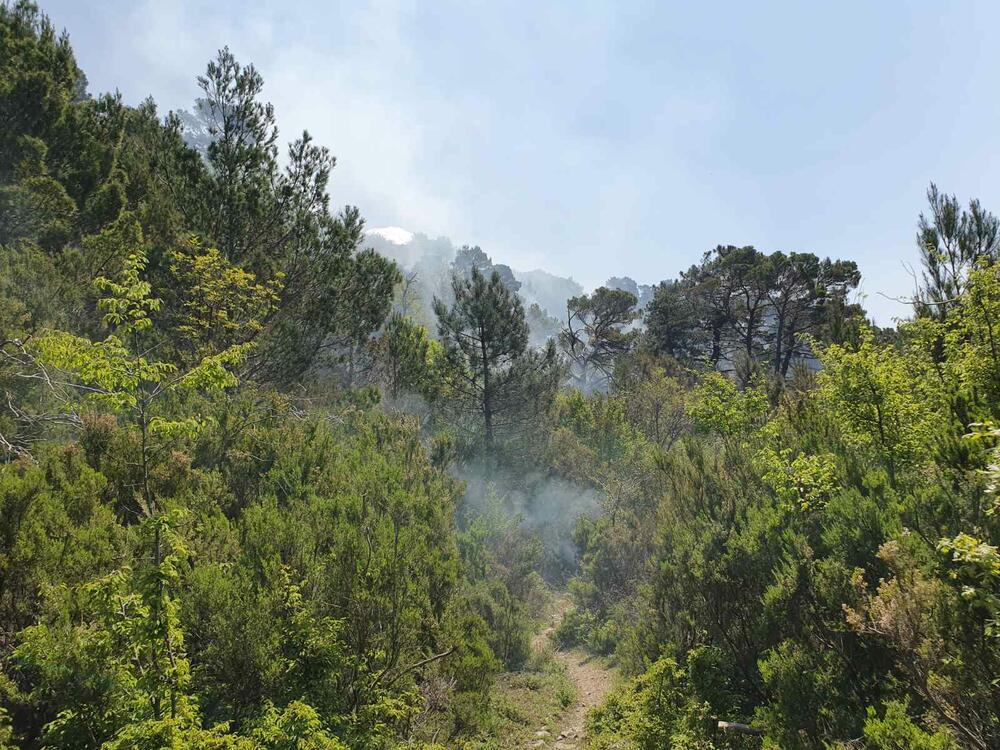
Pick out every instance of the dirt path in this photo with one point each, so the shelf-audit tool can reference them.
(592, 680)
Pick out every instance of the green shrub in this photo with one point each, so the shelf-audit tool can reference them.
(897, 731)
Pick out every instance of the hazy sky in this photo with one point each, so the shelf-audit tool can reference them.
(606, 138)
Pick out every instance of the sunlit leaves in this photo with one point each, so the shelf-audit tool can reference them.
(717, 404)
(803, 481)
(128, 661)
(216, 371)
(107, 370)
(976, 567)
(118, 371)
(221, 304)
(127, 303)
(972, 334)
(878, 399)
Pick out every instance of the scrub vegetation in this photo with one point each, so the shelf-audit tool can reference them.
(260, 488)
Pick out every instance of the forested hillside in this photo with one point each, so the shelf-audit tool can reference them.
(262, 487)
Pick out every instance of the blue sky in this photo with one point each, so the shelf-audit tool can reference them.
(606, 138)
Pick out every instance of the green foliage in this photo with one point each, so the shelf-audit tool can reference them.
(657, 710)
(672, 325)
(970, 348)
(347, 530)
(952, 241)
(121, 377)
(501, 559)
(297, 727)
(188, 560)
(54, 528)
(124, 664)
(976, 566)
(39, 79)
(718, 405)
(752, 312)
(36, 209)
(805, 482)
(803, 557)
(878, 400)
(210, 537)
(221, 304)
(499, 384)
(405, 357)
(896, 731)
(594, 338)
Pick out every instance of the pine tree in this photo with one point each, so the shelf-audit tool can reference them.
(595, 336)
(498, 379)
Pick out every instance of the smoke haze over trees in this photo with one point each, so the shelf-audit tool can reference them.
(270, 480)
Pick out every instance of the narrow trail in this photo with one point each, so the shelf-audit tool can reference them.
(591, 678)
